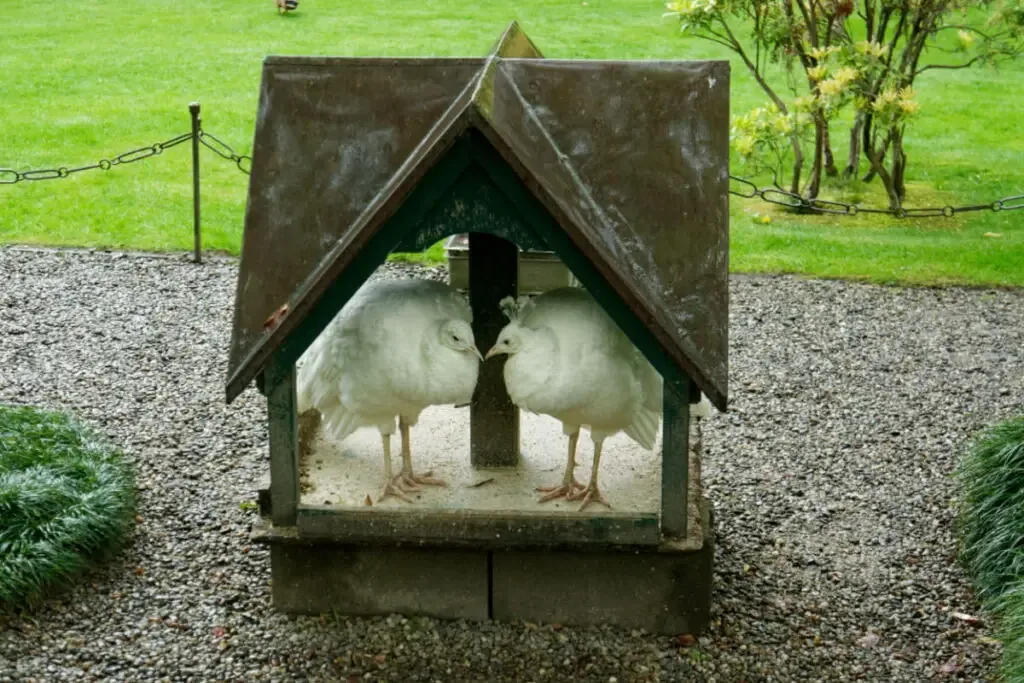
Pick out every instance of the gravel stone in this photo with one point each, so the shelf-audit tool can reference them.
(830, 477)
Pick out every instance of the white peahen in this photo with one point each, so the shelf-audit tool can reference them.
(568, 359)
(396, 347)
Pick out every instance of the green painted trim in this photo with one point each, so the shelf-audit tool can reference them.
(478, 528)
(472, 204)
(556, 240)
(435, 185)
(283, 431)
(675, 462)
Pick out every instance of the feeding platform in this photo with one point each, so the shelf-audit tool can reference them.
(618, 168)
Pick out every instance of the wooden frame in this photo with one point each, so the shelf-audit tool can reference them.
(472, 153)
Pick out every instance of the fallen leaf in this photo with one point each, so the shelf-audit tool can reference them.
(139, 571)
(481, 483)
(223, 644)
(138, 519)
(868, 640)
(686, 640)
(951, 667)
(993, 234)
(368, 502)
(380, 659)
(968, 619)
(275, 318)
(219, 631)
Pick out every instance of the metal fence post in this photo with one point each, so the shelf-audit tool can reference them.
(198, 248)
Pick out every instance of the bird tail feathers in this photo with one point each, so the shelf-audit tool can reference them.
(702, 409)
(337, 421)
(644, 429)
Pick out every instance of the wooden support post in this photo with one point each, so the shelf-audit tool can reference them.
(197, 250)
(675, 460)
(284, 450)
(494, 420)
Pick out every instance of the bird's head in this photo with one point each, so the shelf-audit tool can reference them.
(458, 335)
(510, 341)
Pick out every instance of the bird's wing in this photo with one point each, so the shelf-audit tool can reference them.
(644, 429)
(587, 335)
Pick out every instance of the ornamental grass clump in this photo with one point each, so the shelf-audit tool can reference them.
(66, 501)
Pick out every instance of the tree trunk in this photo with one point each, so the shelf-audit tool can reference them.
(814, 180)
(853, 158)
(830, 162)
(798, 163)
(868, 142)
(899, 165)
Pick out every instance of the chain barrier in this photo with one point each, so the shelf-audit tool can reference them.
(774, 195)
(223, 150)
(9, 176)
(771, 195)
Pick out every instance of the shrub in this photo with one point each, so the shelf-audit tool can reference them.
(66, 499)
(992, 515)
(992, 533)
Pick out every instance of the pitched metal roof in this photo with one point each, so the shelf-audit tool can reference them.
(629, 157)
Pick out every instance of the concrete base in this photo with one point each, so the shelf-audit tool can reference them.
(315, 579)
(664, 590)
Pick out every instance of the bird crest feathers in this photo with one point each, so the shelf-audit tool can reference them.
(514, 308)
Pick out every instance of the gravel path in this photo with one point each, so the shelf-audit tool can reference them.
(830, 478)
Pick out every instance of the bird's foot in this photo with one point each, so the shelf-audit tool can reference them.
(589, 494)
(559, 491)
(393, 488)
(411, 482)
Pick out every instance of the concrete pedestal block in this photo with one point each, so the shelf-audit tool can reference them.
(360, 581)
(663, 591)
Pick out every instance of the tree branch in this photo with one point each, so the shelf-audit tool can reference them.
(966, 64)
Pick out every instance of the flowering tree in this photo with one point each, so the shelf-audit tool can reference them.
(826, 71)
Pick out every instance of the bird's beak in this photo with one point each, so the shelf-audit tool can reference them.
(476, 352)
(492, 352)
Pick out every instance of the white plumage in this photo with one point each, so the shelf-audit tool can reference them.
(396, 347)
(568, 359)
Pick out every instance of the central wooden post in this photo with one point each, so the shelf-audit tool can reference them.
(494, 420)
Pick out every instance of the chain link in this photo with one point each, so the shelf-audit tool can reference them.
(774, 195)
(223, 150)
(9, 176)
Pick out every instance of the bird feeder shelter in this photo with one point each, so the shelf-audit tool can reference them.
(618, 167)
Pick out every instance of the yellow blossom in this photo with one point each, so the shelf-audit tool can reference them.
(830, 88)
(845, 75)
(966, 39)
(871, 48)
(804, 103)
(817, 72)
(782, 125)
(745, 145)
(820, 53)
(909, 106)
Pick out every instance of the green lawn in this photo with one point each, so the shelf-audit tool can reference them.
(84, 79)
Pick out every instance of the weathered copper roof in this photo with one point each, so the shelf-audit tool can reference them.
(630, 158)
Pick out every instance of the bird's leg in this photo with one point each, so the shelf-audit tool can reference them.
(390, 488)
(591, 494)
(569, 484)
(407, 479)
